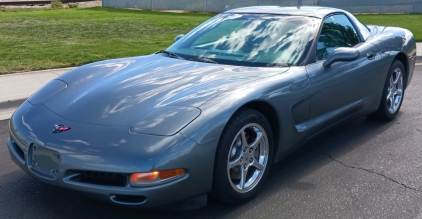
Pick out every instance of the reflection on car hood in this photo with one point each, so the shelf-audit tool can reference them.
(120, 92)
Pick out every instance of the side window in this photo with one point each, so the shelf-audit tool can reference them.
(337, 31)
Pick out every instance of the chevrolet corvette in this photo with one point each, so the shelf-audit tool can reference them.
(209, 115)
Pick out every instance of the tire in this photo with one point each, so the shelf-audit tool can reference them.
(393, 93)
(243, 158)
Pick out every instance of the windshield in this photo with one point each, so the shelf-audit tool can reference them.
(248, 40)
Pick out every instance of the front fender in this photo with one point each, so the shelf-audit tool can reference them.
(287, 93)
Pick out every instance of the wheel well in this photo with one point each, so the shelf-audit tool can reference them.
(270, 114)
(403, 59)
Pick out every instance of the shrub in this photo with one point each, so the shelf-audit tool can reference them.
(56, 4)
(72, 5)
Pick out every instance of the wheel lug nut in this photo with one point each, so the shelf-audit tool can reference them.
(250, 150)
(245, 166)
(250, 160)
(244, 150)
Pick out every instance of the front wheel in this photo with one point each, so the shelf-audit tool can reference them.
(393, 93)
(243, 157)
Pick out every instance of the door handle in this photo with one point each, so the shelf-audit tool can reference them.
(371, 55)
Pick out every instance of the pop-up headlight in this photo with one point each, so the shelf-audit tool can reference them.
(50, 89)
(167, 120)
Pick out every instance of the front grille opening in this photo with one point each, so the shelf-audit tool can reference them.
(129, 199)
(99, 178)
(17, 149)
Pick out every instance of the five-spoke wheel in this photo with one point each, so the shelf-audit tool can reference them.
(248, 157)
(243, 157)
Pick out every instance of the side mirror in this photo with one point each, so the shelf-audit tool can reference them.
(342, 54)
(178, 37)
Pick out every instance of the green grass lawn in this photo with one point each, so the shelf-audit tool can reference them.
(413, 22)
(43, 39)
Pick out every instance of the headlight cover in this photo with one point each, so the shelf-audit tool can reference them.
(50, 89)
(166, 121)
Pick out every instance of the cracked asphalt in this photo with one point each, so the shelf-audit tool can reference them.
(361, 169)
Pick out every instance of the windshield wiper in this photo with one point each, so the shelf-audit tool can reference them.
(207, 60)
(170, 54)
(272, 64)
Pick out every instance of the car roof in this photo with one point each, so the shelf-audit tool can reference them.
(309, 11)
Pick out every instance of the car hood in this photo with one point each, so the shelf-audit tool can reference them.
(122, 91)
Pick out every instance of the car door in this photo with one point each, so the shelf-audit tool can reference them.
(345, 87)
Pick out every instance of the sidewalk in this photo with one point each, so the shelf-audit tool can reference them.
(16, 88)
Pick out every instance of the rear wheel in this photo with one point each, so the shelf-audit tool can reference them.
(393, 93)
(243, 157)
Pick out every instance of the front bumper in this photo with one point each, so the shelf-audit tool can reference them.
(98, 160)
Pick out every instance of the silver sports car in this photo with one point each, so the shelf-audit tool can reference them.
(213, 112)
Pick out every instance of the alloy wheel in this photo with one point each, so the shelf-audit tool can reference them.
(248, 157)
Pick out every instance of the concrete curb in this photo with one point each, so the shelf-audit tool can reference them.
(418, 60)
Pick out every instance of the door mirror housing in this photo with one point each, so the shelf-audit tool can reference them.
(342, 54)
(178, 37)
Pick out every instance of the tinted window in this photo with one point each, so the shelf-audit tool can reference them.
(361, 27)
(337, 31)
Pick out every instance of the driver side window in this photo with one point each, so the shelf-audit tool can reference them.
(337, 31)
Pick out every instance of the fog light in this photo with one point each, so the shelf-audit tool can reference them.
(155, 177)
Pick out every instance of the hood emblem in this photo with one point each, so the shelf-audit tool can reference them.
(60, 128)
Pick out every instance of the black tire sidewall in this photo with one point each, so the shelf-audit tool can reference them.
(222, 188)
